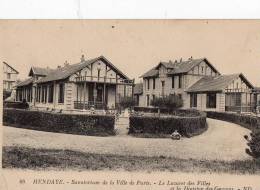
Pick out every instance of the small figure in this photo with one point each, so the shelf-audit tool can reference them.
(175, 135)
(92, 110)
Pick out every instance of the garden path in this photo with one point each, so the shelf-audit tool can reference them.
(222, 141)
(122, 124)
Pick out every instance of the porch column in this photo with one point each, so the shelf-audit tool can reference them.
(95, 93)
(84, 96)
(33, 93)
(54, 94)
(104, 94)
(133, 88)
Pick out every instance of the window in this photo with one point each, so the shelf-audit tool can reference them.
(9, 86)
(153, 97)
(211, 100)
(163, 84)
(98, 74)
(148, 84)
(173, 81)
(180, 81)
(8, 75)
(61, 93)
(50, 98)
(202, 70)
(153, 83)
(193, 100)
(148, 100)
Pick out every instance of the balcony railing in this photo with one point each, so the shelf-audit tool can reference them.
(240, 109)
(89, 104)
(103, 80)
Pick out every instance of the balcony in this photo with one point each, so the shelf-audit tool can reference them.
(104, 80)
(89, 104)
(240, 109)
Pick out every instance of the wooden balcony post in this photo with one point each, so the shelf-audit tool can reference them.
(95, 93)
(84, 96)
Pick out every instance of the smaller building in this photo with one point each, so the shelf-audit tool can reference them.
(9, 77)
(81, 86)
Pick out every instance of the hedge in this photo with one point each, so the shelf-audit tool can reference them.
(186, 126)
(247, 121)
(100, 125)
(18, 105)
(177, 112)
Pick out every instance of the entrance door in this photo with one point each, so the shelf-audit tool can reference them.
(99, 94)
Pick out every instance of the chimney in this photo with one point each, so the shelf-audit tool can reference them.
(190, 58)
(175, 61)
(180, 60)
(82, 59)
(66, 63)
(58, 67)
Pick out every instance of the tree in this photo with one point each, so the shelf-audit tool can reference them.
(127, 102)
(254, 144)
(170, 102)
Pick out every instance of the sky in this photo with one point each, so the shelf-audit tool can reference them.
(134, 46)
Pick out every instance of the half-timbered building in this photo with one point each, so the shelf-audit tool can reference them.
(200, 85)
(91, 83)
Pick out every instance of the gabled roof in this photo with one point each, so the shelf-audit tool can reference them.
(25, 82)
(138, 88)
(257, 89)
(11, 67)
(216, 84)
(177, 67)
(40, 71)
(66, 71)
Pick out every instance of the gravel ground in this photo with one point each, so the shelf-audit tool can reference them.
(222, 141)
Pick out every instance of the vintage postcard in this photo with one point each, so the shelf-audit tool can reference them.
(130, 104)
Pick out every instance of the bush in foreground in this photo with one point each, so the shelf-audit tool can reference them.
(186, 126)
(254, 144)
(97, 125)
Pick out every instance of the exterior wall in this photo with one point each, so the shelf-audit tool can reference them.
(202, 104)
(9, 77)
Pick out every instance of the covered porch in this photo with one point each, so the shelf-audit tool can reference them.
(239, 101)
(100, 95)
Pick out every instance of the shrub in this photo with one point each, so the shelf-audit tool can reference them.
(100, 125)
(18, 105)
(247, 121)
(186, 126)
(176, 112)
(172, 101)
(254, 144)
(127, 102)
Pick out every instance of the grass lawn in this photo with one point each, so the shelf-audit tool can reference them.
(51, 159)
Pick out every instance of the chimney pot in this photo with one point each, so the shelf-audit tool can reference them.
(66, 63)
(82, 58)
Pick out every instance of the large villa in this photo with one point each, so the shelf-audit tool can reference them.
(200, 85)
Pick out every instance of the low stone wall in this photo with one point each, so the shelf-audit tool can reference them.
(166, 124)
(98, 125)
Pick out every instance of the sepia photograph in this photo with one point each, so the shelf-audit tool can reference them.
(131, 96)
